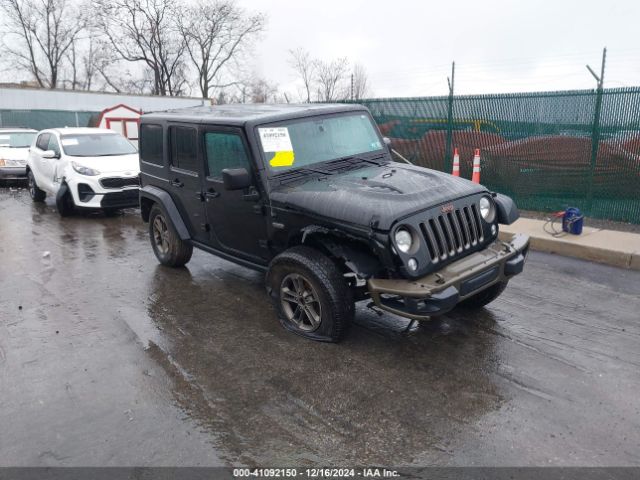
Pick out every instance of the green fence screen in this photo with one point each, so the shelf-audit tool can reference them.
(41, 119)
(547, 150)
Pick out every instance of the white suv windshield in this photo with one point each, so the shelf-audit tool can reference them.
(96, 145)
(16, 139)
(301, 143)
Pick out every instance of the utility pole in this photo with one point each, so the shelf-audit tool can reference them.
(595, 132)
(352, 86)
(448, 149)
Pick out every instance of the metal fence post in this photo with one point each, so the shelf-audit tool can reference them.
(448, 150)
(595, 132)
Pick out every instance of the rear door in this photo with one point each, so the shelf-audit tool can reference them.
(238, 224)
(185, 178)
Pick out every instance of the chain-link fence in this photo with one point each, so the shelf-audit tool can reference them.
(547, 150)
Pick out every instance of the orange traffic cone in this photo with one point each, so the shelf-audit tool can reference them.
(456, 163)
(475, 178)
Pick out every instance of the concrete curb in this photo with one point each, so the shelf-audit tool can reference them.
(618, 249)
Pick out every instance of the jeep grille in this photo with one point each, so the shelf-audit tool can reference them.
(453, 233)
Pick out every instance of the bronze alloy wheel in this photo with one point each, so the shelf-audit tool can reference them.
(161, 234)
(300, 302)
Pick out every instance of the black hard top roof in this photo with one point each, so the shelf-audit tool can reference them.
(241, 114)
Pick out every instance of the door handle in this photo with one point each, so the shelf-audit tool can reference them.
(211, 193)
(177, 183)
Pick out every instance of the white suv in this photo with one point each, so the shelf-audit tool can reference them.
(84, 168)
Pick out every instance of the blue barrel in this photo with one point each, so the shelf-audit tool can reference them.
(572, 221)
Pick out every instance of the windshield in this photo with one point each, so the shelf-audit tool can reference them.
(16, 139)
(96, 145)
(301, 143)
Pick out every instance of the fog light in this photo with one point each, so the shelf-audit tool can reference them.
(412, 264)
(493, 229)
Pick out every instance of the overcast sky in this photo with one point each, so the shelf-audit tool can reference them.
(498, 45)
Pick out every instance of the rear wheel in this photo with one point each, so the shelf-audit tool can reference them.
(485, 297)
(311, 295)
(37, 195)
(169, 248)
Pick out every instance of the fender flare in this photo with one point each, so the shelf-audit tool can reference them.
(166, 203)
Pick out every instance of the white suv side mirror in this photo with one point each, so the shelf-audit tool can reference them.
(50, 154)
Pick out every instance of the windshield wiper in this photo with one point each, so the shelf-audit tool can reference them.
(358, 159)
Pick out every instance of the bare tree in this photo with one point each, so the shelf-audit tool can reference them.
(144, 31)
(261, 91)
(305, 67)
(39, 35)
(359, 82)
(216, 36)
(331, 78)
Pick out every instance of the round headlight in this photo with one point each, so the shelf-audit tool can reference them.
(403, 240)
(487, 210)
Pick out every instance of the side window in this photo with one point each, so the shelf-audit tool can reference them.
(151, 144)
(184, 148)
(224, 150)
(43, 141)
(53, 144)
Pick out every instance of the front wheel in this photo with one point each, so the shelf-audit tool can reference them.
(311, 295)
(64, 201)
(37, 195)
(485, 297)
(169, 248)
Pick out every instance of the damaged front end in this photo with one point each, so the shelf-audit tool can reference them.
(439, 292)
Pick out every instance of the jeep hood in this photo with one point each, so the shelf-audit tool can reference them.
(110, 164)
(378, 193)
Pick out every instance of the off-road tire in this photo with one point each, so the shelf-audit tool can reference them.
(36, 194)
(334, 295)
(485, 297)
(65, 204)
(176, 252)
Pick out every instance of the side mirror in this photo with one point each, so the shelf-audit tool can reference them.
(387, 141)
(236, 178)
(50, 154)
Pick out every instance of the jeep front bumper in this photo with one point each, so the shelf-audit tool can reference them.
(439, 292)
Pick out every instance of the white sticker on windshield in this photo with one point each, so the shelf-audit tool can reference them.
(67, 142)
(275, 139)
(5, 137)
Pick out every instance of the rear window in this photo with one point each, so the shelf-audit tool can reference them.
(151, 143)
(184, 148)
(16, 139)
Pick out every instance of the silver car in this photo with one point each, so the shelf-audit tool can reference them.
(14, 150)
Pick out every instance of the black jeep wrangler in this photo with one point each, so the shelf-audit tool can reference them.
(310, 195)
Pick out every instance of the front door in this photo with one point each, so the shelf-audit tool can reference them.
(236, 218)
(185, 179)
(43, 167)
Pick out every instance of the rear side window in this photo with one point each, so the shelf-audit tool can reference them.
(224, 150)
(151, 145)
(43, 141)
(184, 148)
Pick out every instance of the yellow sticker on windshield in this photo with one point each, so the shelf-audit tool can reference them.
(282, 159)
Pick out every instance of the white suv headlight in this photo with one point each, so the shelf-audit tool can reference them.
(82, 170)
(487, 209)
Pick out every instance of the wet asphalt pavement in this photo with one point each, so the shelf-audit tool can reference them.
(107, 358)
